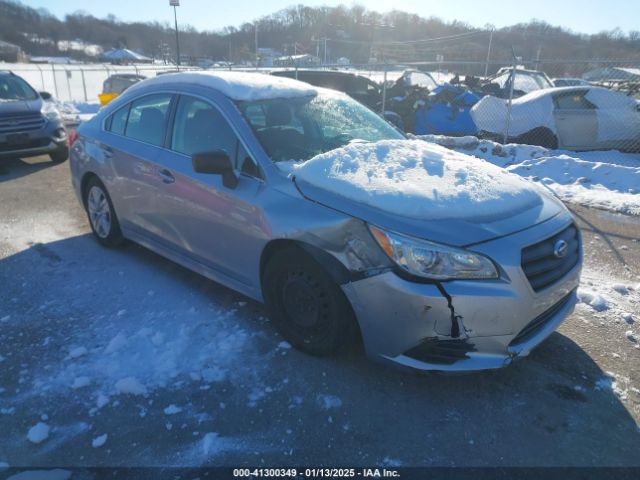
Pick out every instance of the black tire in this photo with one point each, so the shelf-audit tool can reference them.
(59, 156)
(540, 136)
(307, 307)
(106, 229)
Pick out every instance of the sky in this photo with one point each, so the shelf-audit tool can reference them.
(584, 16)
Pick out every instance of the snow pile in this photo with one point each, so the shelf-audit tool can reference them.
(604, 179)
(157, 351)
(38, 433)
(618, 384)
(416, 179)
(74, 113)
(327, 402)
(130, 386)
(612, 302)
(241, 86)
(99, 441)
(172, 410)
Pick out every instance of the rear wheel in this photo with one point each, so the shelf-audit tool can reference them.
(540, 136)
(305, 304)
(102, 217)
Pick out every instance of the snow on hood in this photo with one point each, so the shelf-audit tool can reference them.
(527, 112)
(417, 180)
(240, 86)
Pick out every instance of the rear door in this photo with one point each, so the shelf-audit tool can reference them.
(576, 120)
(135, 140)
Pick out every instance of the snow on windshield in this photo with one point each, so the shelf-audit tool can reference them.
(416, 179)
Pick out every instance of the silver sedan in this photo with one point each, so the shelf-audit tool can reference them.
(187, 165)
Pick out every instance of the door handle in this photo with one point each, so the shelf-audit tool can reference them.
(166, 176)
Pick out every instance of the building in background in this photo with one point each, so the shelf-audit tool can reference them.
(304, 60)
(612, 75)
(124, 56)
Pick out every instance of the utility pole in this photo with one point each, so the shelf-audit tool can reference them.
(486, 67)
(256, 43)
(325, 50)
(175, 4)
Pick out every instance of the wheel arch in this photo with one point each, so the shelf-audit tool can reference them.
(336, 269)
(83, 185)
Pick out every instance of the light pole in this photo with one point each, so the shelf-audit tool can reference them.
(174, 4)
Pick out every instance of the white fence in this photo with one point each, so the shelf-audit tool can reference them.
(73, 82)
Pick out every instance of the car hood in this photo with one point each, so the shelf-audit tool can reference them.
(16, 107)
(425, 191)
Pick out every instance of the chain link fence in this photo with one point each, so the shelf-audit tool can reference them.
(505, 102)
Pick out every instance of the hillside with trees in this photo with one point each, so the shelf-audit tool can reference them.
(352, 32)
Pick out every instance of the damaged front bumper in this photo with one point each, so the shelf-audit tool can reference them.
(461, 326)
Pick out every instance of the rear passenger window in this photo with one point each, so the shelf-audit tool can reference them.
(573, 101)
(147, 120)
(118, 120)
(200, 127)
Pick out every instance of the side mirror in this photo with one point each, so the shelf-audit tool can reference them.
(216, 163)
(45, 95)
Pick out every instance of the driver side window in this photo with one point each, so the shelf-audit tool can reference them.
(199, 127)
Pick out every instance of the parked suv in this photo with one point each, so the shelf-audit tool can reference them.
(29, 125)
(304, 199)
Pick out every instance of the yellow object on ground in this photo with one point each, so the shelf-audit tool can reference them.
(106, 97)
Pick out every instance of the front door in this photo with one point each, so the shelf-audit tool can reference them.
(222, 228)
(576, 120)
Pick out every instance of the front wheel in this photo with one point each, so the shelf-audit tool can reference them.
(59, 156)
(540, 136)
(307, 307)
(102, 217)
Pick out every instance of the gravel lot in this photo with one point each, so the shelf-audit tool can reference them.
(177, 370)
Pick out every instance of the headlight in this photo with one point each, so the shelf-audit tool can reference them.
(50, 111)
(431, 260)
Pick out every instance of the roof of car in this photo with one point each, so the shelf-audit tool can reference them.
(336, 73)
(240, 86)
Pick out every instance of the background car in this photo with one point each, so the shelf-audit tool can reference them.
(446, 111)
(297, 196)
(524, 81)
(360, 88)
(574, 118)
(116, 84)
(570, 82)
(29, 125)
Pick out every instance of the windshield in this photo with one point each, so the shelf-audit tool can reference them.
(14, 88)
(301, 128)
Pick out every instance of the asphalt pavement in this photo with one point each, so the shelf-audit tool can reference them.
(64, 299)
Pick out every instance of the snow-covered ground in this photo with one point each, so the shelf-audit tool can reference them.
(603, 179)
(74, 113)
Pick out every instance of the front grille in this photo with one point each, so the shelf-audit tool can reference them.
(534, 326)
(21, 123)
(541, 265)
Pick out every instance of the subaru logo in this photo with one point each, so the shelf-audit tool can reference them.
(560, 249)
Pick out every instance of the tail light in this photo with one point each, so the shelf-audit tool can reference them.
(73, 136)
